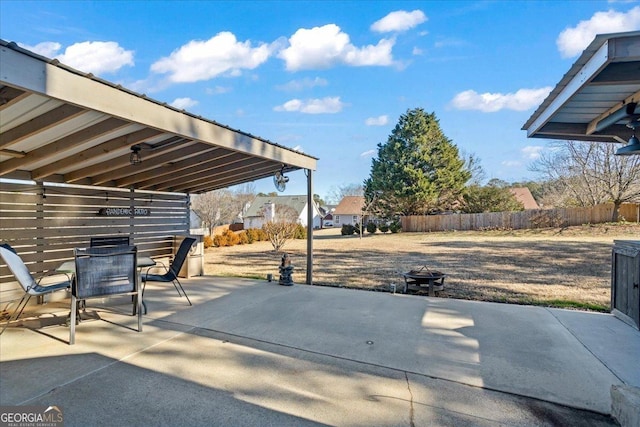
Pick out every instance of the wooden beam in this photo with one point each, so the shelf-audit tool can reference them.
(62, 145)
(38, 124)
(10, 96)
(120, 167)
(632, 99)
(11, 153)
(105, 149)
(191, 166)
(245, 170)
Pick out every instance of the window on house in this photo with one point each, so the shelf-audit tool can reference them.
(336, 219)
(355, 219)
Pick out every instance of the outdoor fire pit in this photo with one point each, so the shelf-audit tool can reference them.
(432, 279)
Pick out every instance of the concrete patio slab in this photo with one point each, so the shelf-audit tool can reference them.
(254, 353)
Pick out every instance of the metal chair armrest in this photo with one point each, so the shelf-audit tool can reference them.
(55, 273)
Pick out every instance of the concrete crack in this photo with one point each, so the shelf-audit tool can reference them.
(411, 416)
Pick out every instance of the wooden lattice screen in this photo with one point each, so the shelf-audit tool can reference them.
(44, 223)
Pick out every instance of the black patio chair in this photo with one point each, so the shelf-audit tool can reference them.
(30, 286)
(172, 272)
(109, 241)
(102, 272)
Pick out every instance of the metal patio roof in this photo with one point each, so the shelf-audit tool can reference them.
(597, 97)
(58, 124)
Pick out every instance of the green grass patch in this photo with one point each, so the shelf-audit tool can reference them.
(576, 305)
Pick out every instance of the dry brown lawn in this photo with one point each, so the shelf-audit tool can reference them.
(568, 267)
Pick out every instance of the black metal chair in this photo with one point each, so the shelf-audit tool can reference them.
(110, 241)
(30, 286)
(172, 272)
(103, 272)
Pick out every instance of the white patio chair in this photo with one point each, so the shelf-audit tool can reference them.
(30, 286)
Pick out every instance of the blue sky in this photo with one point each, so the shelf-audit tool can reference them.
(332, 78)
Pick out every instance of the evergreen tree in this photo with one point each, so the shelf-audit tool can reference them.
(417, 171)
(490, 198)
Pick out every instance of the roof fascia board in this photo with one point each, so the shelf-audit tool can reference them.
(582, 77)
(35, 75)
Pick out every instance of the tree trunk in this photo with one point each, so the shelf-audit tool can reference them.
(616, 210)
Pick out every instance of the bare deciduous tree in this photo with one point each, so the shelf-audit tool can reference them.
(589, 173)
(337, 193)
(222, 206)
(281, 226)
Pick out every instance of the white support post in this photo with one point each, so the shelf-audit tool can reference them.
(310, 213)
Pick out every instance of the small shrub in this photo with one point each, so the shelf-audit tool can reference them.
(253, 235)
(347, 230)
(372, 227)
(219, 240)
(395, 227)
(300, 233)
(244, 238)
(384, 228)
(207, 241)
(232, 238)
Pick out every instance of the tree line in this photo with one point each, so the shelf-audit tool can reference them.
(420, 171)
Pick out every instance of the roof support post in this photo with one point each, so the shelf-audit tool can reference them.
(310, 214)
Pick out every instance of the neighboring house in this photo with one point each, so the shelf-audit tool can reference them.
(194, 220)
(348, 211)
(327, 217)
(254, 217)
(523, 195)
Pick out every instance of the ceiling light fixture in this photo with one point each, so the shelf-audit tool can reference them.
(134, 157)
(633, 146)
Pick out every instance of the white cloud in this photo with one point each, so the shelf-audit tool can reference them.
(400, 20)
(328, 105)
(532, 152)
(368, 153)
(417, 51)
(326, 46)
(218, 90)
(573, 41)
(184, 103)
(92, 57)
(377, 121)
(302, 84)
(521, 100)
(298, 148)
(511, 163)
(47, 49)
(203, 60)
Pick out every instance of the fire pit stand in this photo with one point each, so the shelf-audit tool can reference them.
(433, 280)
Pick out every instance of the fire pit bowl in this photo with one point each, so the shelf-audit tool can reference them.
(432, 279)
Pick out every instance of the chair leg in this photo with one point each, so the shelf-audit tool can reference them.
(72, 323)
(17, 312)
(144, 284)
(138, 309)
(176, 286)
(185, 294)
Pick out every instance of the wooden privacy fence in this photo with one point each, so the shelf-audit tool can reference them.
(536, 218)
(44, 223)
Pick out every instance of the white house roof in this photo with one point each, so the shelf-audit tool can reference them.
(297, 203)
(597, 97)
(61, 125)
